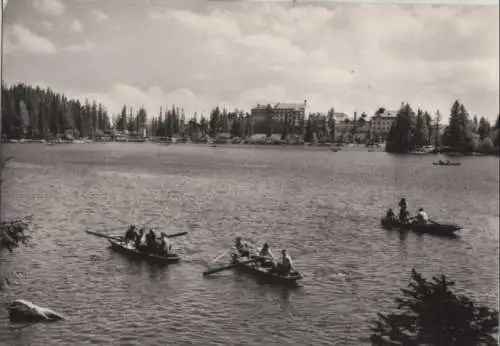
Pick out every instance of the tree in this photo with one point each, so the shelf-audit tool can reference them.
(269, 128)
(421, 132)
(484, 128)
(236, 128)
(400, 138)
(308, 135)
(12, 232)
(286, 127)
(458, 134)
(331, 124)
(214, 121)
(429, 313)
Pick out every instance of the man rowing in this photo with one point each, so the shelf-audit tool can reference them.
(141, 239)
(165, 247)
(403, 211)
(266, 258)
(422, 217)
(151, 241)
(389, 216)
(242, 247)
(131, 234)
(286, 264)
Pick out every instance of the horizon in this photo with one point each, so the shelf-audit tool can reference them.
(238, 54)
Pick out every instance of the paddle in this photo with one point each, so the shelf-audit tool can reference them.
(104, 235)
(221, 255)
(176, 234)
(216, 270)
(120, 237)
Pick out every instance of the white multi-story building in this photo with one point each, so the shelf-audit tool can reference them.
(381, 123)
(278, 112)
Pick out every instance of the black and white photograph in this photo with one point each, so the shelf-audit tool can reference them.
(249, 172)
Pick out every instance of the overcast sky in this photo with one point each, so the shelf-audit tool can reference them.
(198, 54)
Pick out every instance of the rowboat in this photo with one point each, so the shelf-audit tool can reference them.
(240, 264)
(430, 228)
(129, 250)
(446, 163)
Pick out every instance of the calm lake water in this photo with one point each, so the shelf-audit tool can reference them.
(323, 207)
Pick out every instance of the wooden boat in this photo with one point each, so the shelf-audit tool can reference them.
(429, 228)
(131, 251)
(264, 273)
(442, 163)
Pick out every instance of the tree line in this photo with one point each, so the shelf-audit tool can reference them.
(462, 134)
(32, 112)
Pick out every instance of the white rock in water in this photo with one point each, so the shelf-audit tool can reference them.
(24, 311)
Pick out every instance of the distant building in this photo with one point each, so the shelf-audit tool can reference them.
(381, 123)
(277, 113)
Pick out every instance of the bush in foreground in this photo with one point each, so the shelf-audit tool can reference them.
(429, 313)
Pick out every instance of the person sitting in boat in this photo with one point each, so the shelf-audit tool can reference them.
(389, 216)
(131, 234)
(422, 217)
(403, 211)
(242, 247)
(165, 246)
(266, 258)
(140, 239)
(286, 265)
(151, 241)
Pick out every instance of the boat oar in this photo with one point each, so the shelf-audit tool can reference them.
(216, 270)
(176, 234)
(103, 235)
(221, 255)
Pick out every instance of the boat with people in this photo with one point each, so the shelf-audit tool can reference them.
(129, 250)
(241, 264)
(415, 226)
(419, 223)
(261, 263)
(446, 163)
(143, 245)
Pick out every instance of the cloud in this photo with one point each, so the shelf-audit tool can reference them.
(152, 98)
(50, 7)
(218, 24)
(87, 46)
(199, 54)
(76, 26)
(99, 16)
(48, 25)
(19, 38)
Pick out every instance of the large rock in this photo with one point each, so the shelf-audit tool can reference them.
(24, 311)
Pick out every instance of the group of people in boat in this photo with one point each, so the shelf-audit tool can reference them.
(404, 214)
(146, 240)
(264, 257)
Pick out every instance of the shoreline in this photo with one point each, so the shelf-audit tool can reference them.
(331, 146)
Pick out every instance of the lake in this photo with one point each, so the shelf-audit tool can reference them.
(323, 207)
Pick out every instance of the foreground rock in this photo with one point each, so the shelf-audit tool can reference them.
(24, 311)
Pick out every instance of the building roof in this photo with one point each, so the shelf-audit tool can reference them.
(289, 105)
(387, 114)
(283, 105)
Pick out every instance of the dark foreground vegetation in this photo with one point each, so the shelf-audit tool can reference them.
(430, 313)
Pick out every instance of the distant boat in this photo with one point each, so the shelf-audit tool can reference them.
(446, 163)
(440, 229)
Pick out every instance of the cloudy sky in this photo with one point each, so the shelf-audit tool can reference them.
(198, 54)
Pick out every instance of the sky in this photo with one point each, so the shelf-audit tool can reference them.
(198, 54)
